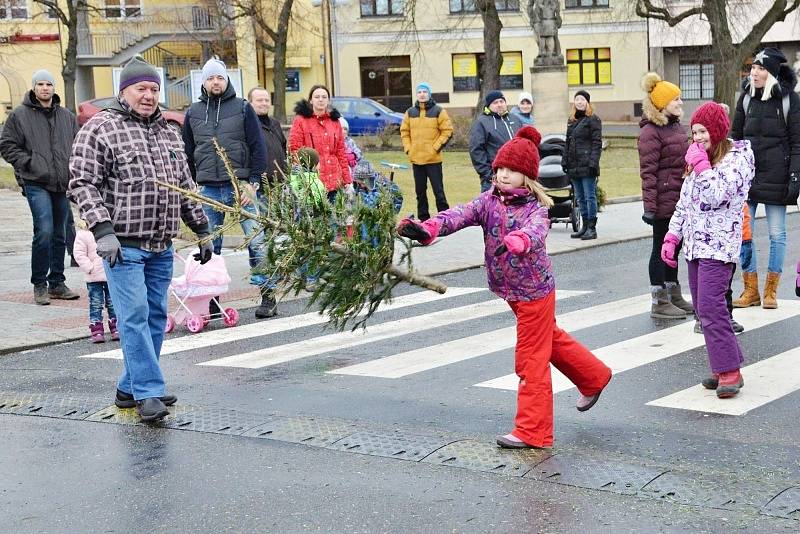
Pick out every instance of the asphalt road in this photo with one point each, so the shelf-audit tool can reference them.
(626, 465)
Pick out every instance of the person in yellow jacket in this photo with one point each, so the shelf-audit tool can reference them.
(425, 131)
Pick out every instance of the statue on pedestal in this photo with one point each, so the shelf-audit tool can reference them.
(796, 69)
(545, 17)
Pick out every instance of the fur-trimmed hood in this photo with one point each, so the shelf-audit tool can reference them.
(304, 109)
(652, 114)
(787, 80)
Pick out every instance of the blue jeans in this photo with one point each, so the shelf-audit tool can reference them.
(224, 193)
(139, 287)
(776, 225)
(99, 297)
(586, 195)
(50, 212)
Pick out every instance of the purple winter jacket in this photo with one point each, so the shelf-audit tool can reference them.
(513, 278)
(662, 146)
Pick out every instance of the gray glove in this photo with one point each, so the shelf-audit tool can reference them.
(109, 249)
(350, 192)
(206, 250)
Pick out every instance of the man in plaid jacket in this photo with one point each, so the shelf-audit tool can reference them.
(116, 160)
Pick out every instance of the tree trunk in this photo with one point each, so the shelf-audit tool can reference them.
(724, 53)
(279, 63)
(493, 59)
(68, 72)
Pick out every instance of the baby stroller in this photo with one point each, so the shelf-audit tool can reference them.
(199, 285)
(557, 184)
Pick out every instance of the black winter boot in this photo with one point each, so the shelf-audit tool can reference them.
(213, 309)
(591, 231)
(584, 227)
(268, 307)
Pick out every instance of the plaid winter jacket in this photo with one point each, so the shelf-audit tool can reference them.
(116, 159)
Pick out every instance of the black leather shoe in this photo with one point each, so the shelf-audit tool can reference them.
(125, 400)
(151, 409)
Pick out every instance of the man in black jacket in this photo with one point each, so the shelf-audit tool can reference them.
(275, 142)
(37, 141)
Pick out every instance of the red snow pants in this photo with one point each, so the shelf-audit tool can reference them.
(541, 342)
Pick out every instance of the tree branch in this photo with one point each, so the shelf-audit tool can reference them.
(646, 9)
(774, 14)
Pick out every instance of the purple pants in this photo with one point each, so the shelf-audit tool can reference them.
(708, 281)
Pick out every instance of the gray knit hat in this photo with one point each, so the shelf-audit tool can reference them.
(42, 76)
(214, 67)
(138, 70)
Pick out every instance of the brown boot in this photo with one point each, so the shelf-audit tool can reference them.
(662, 308)
(771, 290)
(676, 298)
(749, 296)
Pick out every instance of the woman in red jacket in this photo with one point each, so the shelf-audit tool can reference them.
(316, 126)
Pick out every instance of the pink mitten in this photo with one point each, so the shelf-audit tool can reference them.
(668, 250)
(424, 232)
(797, 282)
(697, 158)
(517, 242)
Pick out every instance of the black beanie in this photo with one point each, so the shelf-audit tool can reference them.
(491, 96)
(771, 59)
(584, 94)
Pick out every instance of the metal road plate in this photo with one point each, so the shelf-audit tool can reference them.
(485, 456)
(390, 445)
(714, 491)
(583, 472)
(785, 504)
(128, 416)
(216, 421)
(305, 430)
(16, 402)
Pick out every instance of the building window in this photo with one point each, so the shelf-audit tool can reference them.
(585, 4)
(13, 9)
(696, 80)
(123, 9)
(382, 8)
(467, 68)
(468, 6)
(588, 66)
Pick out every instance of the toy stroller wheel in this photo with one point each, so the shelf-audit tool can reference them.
(170, 326)
(575, 217)
(195, 323)
(231, 317)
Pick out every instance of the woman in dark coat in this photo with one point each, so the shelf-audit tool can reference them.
(663, 143)
(770, 120)
(582, 160)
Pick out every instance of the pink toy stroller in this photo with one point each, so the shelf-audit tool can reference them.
(199, 285)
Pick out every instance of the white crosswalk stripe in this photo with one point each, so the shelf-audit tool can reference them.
(642, 350)
(427, 358)
(281, 324)
(387, 330)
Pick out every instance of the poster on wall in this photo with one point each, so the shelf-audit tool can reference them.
(162, 96)
(292, 81)
(234, 75)
(465, 72)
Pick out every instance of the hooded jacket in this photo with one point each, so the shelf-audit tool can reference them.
(325, 135)
(116, 160)
(37, 142)
(708, 216)
(275, 143)
(489, 132)
(233, 122)
(775, 139)
(584, 145)
(425, 130)
(514, 278)
(85, 253)
(662, 145)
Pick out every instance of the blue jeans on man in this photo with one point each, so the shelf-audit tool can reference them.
(586, 195)
(138, 286)
(50, 214)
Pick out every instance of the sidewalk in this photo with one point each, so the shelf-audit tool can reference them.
(28, 325)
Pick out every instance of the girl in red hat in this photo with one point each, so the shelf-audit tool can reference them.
(708, 217)
(513, 214)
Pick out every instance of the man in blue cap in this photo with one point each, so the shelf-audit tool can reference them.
(425, 131)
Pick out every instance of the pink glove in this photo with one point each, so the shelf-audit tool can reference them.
(668, 250)
(425, 232)
(697, 158)
(517, 242)
(797, 282)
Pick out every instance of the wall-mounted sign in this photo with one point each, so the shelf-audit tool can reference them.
(292, 80)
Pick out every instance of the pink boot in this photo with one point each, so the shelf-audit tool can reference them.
(97, 332)
(112, 328)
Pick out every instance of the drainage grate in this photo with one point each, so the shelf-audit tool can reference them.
(17, 402)
(785, 504)
(482, 456)
(306, 430)
(390, 445)
(217, 421)
(128, 416)
(585, 472)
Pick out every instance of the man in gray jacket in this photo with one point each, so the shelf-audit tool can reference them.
(36, 141)
(491, 129)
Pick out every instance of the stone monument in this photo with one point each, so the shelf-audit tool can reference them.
(549, 73)
(796, 69)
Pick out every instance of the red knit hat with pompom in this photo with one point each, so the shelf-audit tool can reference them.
(715, 119)
(521, 154)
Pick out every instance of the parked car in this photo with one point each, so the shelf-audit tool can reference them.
(366, 116)
(88, 109)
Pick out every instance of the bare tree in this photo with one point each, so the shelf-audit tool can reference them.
(272, 35)
(493, 58)
(68, 15)
(727, 56)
